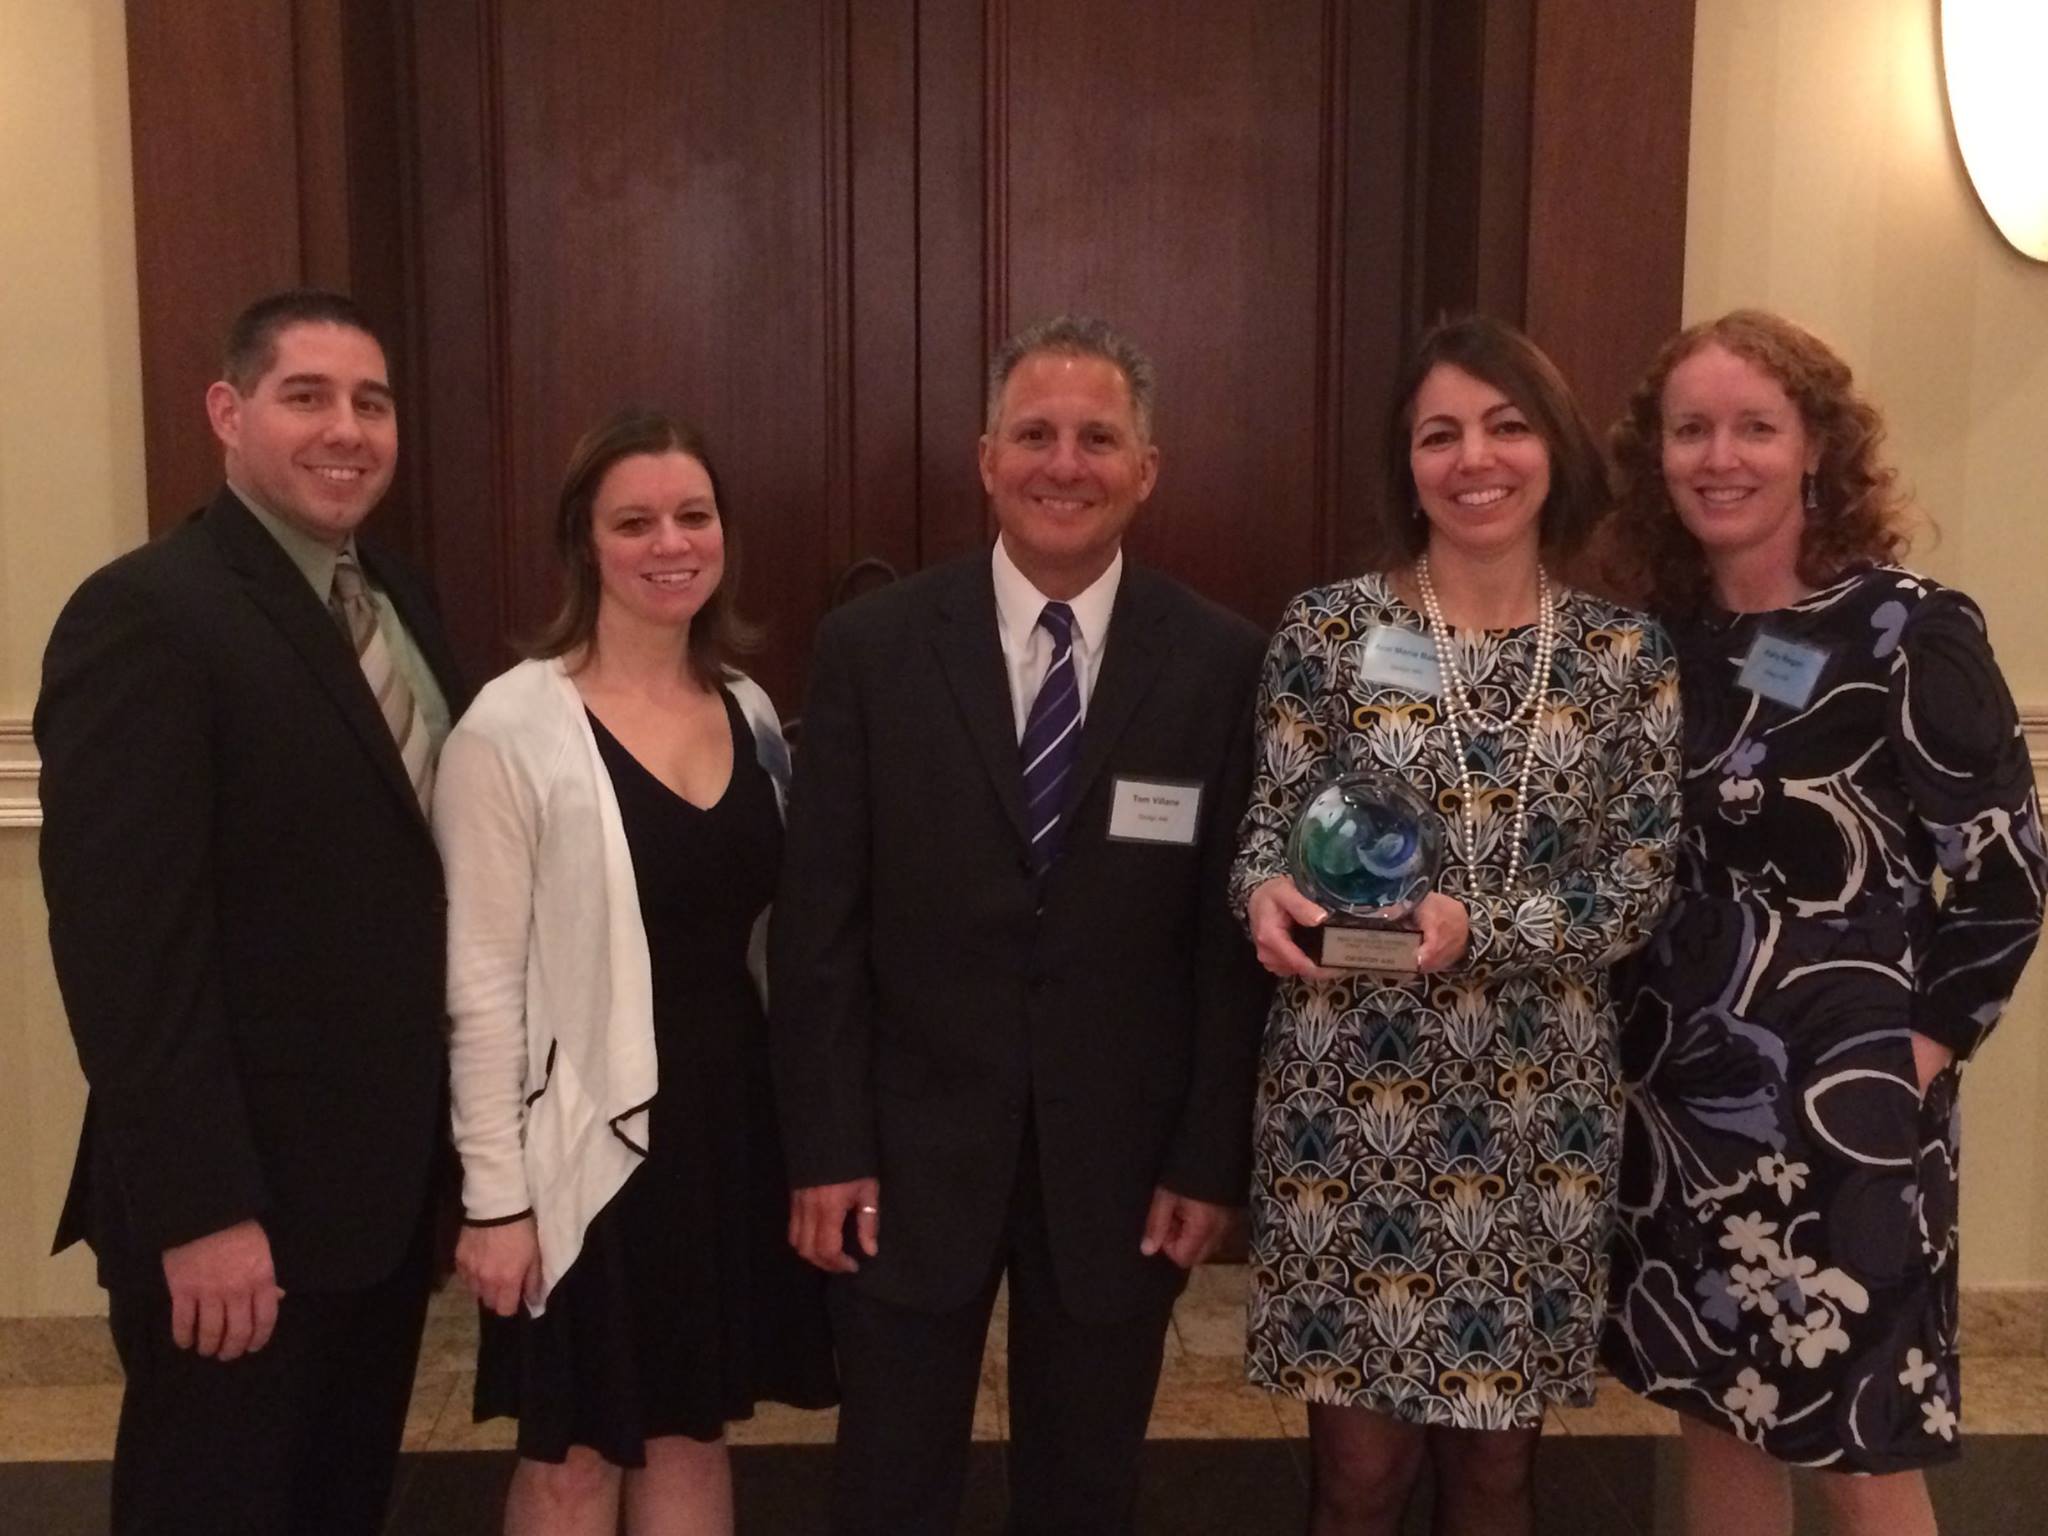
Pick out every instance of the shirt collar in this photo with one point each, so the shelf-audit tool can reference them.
(315, 560)
(1019, 603)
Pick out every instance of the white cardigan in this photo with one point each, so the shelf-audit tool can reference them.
(551, 1051)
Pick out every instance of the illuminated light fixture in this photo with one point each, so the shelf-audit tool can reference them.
(1993, 53)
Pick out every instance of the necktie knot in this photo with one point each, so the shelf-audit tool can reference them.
(349, 599)
(348, 579)
(1057, 620)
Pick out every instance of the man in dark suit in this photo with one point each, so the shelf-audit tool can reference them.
(1015, 1027)
(246, 916)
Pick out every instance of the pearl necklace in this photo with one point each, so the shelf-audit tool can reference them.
(1458, 708)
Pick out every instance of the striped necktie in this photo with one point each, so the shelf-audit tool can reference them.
(354, 608)
(1052, 737)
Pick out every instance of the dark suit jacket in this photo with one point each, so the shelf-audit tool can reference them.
(926, 991)
(246, 911)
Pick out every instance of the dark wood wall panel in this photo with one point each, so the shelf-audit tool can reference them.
(1607, 172)
(296, 173)
(455, 419)
(216, 214)
(882, 325)
(1377, 249)
(666, 196)
(1178, 184)
(958, 184)
(805, 223)
(1472, 171)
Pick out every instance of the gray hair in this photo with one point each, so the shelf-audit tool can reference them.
(1078, 336)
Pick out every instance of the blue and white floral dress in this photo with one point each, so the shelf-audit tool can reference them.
(1786, 1258)
(1433, 1164)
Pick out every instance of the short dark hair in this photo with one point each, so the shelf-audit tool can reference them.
(1495, 353)
(251, 347)
(717, 633)
(1078, 336)
(1857, 516)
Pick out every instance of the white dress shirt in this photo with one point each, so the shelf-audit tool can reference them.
(1027, 646)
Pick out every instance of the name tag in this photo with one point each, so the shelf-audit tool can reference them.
(1783, 671)
(1154, 810)
(1400, 658)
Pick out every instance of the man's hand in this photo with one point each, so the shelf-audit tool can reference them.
(1186, 1231)
(224, 1293)
(501, 1264)
(1930, 1059)
(817, 1222)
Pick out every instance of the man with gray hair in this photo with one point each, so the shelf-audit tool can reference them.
(1014, 1024)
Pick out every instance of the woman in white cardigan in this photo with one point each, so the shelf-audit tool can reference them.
(609, 814)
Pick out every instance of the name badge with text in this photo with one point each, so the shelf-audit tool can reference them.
(1783, 671)
(1154, 811)
(1400, 658)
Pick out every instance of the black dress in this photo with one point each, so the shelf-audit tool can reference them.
(1785, 1264)
(686, 1305)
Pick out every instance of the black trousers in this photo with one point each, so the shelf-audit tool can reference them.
(1080, 1396)
(298, 1439)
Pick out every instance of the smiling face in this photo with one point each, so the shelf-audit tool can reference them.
(1735, 451)
(316, 439)
(1482, 472)
(1065, 468)
(657, 540)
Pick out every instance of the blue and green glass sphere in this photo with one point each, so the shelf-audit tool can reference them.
(1366, 844)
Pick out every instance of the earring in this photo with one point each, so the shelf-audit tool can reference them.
(1812, 497)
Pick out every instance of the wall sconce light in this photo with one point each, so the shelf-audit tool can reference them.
(1992, 53)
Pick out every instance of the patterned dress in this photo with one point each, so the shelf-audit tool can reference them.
(1785, 1266)
(1434, 1162)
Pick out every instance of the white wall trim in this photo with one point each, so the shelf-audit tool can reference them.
(19, 772)
(2035, 723)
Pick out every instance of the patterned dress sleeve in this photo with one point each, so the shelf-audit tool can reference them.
(1963, 761)
(1604, 909)
(1290, 746)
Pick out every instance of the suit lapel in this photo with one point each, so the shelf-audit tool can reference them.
(275, 586)
(971, 654)
(1136, 647)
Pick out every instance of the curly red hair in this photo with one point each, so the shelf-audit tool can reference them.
(1858, 517)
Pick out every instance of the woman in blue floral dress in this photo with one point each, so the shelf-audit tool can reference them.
(1434, 1157)
(1785, 1274)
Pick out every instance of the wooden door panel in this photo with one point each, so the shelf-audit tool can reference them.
(1174, 180)
(665, 241)
(667, 215)
(805, 224)
(1174, 170)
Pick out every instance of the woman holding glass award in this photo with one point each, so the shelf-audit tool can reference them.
(1435, 1137)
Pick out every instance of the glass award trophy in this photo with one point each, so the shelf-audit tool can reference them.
(1366, 849)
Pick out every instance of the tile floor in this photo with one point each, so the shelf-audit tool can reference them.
(1223, 1456)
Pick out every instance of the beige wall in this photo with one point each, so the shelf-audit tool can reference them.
(70, 496)
(1824, 183)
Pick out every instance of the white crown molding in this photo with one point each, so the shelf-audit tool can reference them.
(19, 772)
